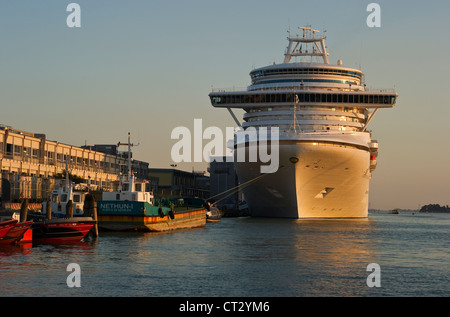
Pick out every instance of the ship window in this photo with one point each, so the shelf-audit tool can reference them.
(306, 97)
(334, 98)
(339, 98)
(63, 198)
(76, 198)
(137, 187)
(345, 98)
(350, 98)
(375, 99)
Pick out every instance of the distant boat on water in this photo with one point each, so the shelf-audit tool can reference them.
(213, 214)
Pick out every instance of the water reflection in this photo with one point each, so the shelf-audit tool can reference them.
(335, 254)
(304, 257)
(243, 257)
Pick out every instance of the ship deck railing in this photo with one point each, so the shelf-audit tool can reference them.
(302, 88)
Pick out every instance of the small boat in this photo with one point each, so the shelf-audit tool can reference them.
(395, 212)
(213, 214)
(16, 233)
(61, 196)
(62, 230)
(6, 226)
(12, 230)
(131, 207)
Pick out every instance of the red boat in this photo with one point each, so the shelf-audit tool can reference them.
(62, 230)
(6, 226)
(15, 233)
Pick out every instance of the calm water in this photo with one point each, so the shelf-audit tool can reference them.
(246, 257)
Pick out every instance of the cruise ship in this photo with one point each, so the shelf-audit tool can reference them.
(326, 152)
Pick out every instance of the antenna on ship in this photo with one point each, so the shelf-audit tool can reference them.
(130, 174)
(314, 45)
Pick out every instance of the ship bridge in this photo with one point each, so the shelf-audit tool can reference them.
(312, 93)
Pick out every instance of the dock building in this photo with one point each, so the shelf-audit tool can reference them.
(173, 182)
(30, 163)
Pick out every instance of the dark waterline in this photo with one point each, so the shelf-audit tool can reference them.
(246, 257)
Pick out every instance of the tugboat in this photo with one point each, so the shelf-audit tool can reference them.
(61, 195)
(131, 207)
(69, 224)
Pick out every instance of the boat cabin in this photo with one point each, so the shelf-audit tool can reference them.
(132, 190)
(60, 197)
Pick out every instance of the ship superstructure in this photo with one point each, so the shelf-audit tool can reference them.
(326, 153)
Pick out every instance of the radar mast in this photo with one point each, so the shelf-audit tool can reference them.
(314, 45)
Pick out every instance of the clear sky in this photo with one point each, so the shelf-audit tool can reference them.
(147, 67)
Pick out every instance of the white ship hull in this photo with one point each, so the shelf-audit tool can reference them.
(328, 181)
